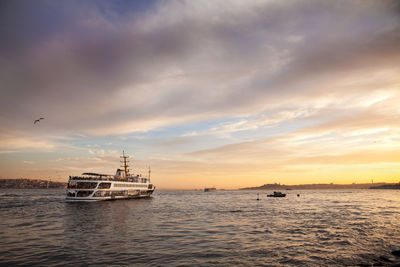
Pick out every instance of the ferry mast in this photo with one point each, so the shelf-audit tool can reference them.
(124, 164)
(149, 173)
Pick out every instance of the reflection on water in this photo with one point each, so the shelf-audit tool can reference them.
(358, 227)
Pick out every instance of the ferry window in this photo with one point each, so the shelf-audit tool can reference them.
(86, 185)
(71, 194)
(104, 185)
(84, 193)
(72, 185)
(102, 194)
(119, 193)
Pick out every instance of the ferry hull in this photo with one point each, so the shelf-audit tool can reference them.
(94, 199)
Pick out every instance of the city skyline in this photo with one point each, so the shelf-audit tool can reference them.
(208, 93)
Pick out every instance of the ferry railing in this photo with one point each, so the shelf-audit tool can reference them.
(102, 178)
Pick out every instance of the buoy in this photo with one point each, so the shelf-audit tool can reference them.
(298, 195)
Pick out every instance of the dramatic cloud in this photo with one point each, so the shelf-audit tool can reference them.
(209, 80)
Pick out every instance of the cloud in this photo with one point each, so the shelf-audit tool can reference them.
(337, 132)
(266, 120)
(93, 74)
(358, 157)
(261, 82)
(25, 143)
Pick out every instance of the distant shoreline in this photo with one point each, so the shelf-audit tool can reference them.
(324, 186)
(24, 183)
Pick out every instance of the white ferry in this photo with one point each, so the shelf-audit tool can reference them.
(96, 186)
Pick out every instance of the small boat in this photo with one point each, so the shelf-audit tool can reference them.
(211, 189)
(277, 194)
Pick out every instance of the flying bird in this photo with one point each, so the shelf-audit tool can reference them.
(38, 120)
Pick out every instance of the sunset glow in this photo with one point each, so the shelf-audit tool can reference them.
(227, 94)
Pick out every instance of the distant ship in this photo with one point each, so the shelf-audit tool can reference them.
(211, 189)
(96, 186)
(277, 194)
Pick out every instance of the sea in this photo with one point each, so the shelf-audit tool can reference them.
(196, 228)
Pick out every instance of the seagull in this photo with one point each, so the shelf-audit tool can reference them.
(38, 120)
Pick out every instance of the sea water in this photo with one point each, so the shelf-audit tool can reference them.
(195, 228)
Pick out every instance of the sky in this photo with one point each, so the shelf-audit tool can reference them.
(217, 93)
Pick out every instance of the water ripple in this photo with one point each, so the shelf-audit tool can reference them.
(186, 228)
